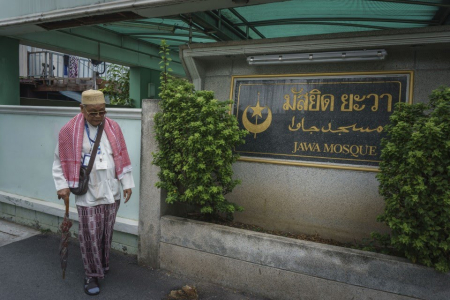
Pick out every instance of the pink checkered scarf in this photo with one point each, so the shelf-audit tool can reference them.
(71, 142)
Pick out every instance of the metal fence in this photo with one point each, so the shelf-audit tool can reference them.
(47, 64)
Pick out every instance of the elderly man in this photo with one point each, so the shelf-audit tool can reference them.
(97, 208)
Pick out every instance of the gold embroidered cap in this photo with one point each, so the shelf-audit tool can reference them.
(92, 97)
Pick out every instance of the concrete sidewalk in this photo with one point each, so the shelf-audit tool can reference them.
(30, 269)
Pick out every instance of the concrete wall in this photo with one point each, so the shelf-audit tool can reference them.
(152, 203)
(338, 204)
(431, 66)
(283, 268)
(48, 216)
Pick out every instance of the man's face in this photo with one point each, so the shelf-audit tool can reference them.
(94, 113)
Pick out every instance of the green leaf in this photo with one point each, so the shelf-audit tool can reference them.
(415, 180)
(195, 139)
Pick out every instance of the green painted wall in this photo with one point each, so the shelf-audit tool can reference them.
(139, 84)
(26, 164)
(9, 71)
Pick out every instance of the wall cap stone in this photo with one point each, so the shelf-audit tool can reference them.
(122, 224)
(113, 113)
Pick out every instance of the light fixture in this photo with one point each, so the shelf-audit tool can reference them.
(299, 58)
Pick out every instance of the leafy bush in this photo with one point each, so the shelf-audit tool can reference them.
(117, 85)
(196, 135)
(415, 180)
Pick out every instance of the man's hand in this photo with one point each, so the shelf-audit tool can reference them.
(63, 194)
(127, 194)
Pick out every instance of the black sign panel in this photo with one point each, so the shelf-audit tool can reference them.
(330, 118)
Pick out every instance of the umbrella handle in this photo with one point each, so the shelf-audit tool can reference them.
(66, 202)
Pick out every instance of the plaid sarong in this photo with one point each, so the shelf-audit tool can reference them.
(96, 226)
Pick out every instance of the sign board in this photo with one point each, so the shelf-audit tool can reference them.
(318, 119)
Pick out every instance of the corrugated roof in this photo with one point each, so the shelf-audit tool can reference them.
(285, 19)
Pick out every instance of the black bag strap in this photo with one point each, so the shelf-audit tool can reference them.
(97, 142)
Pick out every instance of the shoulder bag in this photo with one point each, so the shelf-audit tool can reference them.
(85, 171)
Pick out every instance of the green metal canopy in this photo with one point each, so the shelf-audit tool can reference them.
(285, 19)
(129, 33)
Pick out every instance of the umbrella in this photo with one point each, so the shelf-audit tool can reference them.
(65, 234)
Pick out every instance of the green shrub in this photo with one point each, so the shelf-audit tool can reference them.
(196, 134)
(415, 180)
(117, 86)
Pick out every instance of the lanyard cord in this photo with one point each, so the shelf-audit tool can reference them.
(91, 141)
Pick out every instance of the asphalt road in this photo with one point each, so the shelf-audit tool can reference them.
(30, 269)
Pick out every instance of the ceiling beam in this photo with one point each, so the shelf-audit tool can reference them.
(334, 19)
(155, 26)
(225, 23)
(164, 38)
(163, 34)
(142, 25)
(240, 17)
(340, 24)
(325, 23)
(442, 16)
(187, 20)
(218, 25)
(112, 38)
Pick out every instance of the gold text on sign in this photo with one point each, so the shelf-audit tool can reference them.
(312, 101)
(350, 102)
(315, 101)
(346, 149)
(341, 129)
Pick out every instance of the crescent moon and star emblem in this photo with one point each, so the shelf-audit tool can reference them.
(257, 128)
